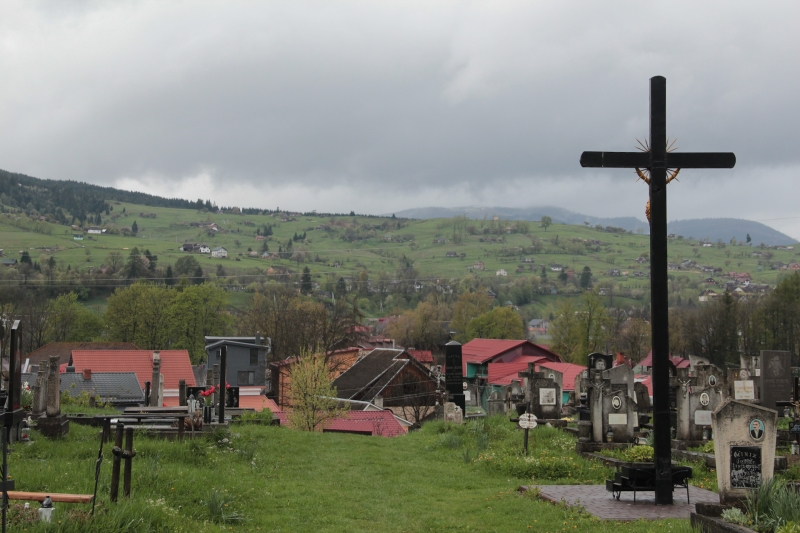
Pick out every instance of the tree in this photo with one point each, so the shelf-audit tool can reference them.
(636, 339)
(114, 262)
(186, 265)
(306, 285)
(748, 239)
(468, 306)
(169, 276)
(586, 277)
(196, 312)
(135, 267)
(546, 222)
(499, 323)
(134, 228)
(580, 330)
(221, 271)
(341, 287)
(69, 321)
(139, 314)
(312, 395)
(197, 276)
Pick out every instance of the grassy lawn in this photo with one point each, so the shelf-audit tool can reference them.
(276, 479)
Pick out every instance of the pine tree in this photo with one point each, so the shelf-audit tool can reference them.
(134, 228)
(305, 281)
(169, 277)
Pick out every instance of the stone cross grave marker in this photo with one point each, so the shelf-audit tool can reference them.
(54, 424)
(744, 447)
(542, 393)
(776, 378)
(657, 159)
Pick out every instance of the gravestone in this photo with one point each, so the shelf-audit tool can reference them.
(156, 383)
(698, 396)
(545, 396)
(744, 447)
(495, 405)
(741, 385)
(620, 414)
(53, 424)
(39, 403)
(453, 377)
(453, 413)
(599, 361)
(776, 377)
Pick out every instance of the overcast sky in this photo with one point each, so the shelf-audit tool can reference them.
(380, 106)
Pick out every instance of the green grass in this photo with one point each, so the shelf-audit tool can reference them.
(276, 479)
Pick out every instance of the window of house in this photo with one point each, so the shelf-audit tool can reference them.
(247, 378)
(219, 353)
(253, 356)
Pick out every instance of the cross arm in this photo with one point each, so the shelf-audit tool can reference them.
(701, 160)
(615, 159)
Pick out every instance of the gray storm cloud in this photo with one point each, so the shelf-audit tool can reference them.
(377, 106)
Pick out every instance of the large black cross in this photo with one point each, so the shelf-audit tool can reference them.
(657, 160)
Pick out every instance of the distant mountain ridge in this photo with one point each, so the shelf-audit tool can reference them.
(711, 229)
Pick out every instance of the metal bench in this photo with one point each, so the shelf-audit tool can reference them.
(643, 479)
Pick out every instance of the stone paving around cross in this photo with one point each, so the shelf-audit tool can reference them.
(598, 501)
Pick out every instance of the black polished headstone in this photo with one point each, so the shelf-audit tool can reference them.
(453, 377)
(776, 377)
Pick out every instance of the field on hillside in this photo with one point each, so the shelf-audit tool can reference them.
(276, 479)
(344, 246)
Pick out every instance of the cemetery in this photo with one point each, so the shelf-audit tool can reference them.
(559, 446)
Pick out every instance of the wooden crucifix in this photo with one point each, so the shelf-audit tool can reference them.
(657, 160)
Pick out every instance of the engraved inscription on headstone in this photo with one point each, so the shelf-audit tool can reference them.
(745, 467)
(743, 390)
(776, 378)
(547, 396)
(618, 419)
(702, 418)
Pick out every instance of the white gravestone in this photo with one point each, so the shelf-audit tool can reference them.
(744, 447)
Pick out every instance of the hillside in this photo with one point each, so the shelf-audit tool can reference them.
(400, 256)
(726, 228)
(558, 214)
(711, 229)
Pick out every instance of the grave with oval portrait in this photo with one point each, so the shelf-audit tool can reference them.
(700, 391)
(744, 447)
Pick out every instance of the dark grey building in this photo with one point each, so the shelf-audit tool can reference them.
(247, 359)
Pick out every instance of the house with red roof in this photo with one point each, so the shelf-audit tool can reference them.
(478, 353)
(647, 363)
(478, 356)
(375, 423)
(175, 366)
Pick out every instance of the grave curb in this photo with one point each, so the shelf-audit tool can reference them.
(710, 524)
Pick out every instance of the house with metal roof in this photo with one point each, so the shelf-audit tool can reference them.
(391, 378)
(118, 389)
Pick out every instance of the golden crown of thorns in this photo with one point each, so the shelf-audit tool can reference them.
(644, 174)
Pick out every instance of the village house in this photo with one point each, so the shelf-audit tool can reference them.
(501, 272)
(556, 267)
(117, 389)
(538, 326)
(219, 252)
(280, 388)
(614, 272)
(246, 361)
(486, 361)
(94, 230)
(64, 350)
(451, 254)
(527, 260)
(391, 379)
(175, 366)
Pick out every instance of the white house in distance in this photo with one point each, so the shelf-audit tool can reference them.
(219, 252)
(501, 272)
